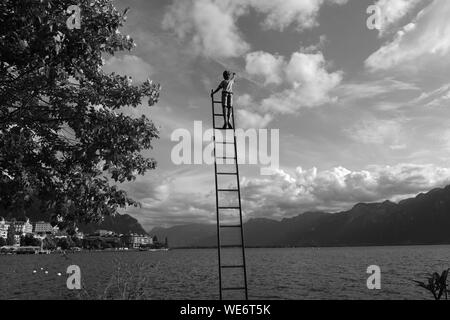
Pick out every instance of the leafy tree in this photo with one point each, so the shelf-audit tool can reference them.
(10, 238)
(49, 244)
(65, 243)
(30, 240)
(2, 242)
(63, 137)
(77, 242)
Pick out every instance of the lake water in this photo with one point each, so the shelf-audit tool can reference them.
(297, 273)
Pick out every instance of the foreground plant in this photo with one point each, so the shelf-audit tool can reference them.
(127, 282)
(436, 284)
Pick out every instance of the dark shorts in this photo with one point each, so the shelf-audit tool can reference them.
(227, 99)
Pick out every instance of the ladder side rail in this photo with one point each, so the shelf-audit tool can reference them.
(217, 198)
(240, 206)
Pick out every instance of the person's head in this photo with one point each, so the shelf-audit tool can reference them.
(226, 75)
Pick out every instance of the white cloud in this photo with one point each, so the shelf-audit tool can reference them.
(337, 189)
(309, 84)
(264, 64)
(425, 39)
(129, 65)
(304, 81)
(392, 11)
(210, 26)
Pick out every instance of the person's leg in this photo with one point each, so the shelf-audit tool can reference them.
(224, 111)
(230, 108)
(224, 105)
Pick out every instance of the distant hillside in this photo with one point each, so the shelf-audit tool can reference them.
(119, 223)
(424, 219)
(187, 235)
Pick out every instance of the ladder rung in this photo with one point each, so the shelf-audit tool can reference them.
(227, 173)
(225, 158)
(224, 142)
(218, 102)
(231, 226)
(233, 288)
(231, 246)
(218, 114)
(224, 128)
(229, 208)
(227, 190)
(233, 267)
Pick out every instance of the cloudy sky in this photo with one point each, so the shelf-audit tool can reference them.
(363, 114)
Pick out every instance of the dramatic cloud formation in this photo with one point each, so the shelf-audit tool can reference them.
(339, 95)
(166, 201)
(428, 37)
(337, 189)
(304, 82)
(308, 83)
(210, 26)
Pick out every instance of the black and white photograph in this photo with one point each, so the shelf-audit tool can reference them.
(224, 155)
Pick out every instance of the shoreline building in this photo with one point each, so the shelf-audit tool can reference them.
(43, 228)
(135, 241)
(4, 227)
(22, 228)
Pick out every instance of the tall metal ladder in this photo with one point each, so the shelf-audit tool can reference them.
(227, 251)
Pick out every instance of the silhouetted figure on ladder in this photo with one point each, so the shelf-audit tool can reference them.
(227, 96)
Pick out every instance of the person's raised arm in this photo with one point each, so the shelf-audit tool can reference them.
(213, 92)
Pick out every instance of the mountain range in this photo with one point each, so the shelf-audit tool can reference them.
(422, 220)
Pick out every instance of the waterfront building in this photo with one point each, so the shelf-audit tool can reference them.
(135, 241)
(16, 240)
(4, 226)
(22, 227)
(42, 228)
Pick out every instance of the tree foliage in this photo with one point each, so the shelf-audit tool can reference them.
(63, 137)
(10, 238)
(30, 240)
